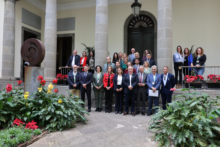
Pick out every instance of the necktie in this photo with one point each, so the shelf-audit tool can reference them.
(141, 78)
(85, 74)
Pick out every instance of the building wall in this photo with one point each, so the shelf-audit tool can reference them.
(195, 22)
(18, 30)
(2, 5)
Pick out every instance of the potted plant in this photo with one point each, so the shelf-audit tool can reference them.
(213, 81)
(88, 49)
(195, 81)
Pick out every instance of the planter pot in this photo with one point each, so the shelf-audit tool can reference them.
(194, 84)
(213, 85)
(62, 82)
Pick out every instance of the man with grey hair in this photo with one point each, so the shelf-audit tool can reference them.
(142, 90)
(109, 63)
(73, 60)
(131, 57)
(153, 83)
(130, 81)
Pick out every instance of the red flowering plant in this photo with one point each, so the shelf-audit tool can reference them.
(190, 79)
(213, 78)
(31, 125)
(19, 82)
(18, 122)
(8, 88)
(65, 76)
(55, 81)
(56, 90)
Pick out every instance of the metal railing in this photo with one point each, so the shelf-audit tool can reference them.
(65, 71)
(206, 82)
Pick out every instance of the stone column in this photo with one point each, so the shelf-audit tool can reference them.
(101, 32)
(8, 40)
(50, 40)
(164, 37)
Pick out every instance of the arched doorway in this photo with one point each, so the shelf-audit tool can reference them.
(141, 33)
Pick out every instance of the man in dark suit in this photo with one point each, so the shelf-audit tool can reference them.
(117, 64)
(136, 65)
(142, 90)
(130, 82)
(151, 61)
(73, 80)
(73, 60)
(168, 82)
(85, 79)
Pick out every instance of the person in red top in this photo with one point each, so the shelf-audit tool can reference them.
(83, 60)
(108, 86)
(126, 70)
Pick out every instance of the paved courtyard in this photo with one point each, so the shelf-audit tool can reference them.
(103, 130)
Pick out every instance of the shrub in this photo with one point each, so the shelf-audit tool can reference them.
(188, 122)
(37, 132)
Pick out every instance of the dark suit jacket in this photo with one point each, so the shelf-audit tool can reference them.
(144, 80)
(115, 82)
(169, 84)
(134, 82)
(70, 80)
(77, 60)
(151, 62)
(85, 80)
(140, 61)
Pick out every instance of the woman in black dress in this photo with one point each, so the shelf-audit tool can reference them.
(91, 62)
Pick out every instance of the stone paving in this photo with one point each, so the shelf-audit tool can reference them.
(103, 130)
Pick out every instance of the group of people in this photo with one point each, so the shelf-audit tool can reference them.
(185, 58)
(130, 77)
(125, 76)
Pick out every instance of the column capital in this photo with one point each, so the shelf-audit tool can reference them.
(14, 1)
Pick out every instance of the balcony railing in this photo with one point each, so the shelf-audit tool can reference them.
(209, 79)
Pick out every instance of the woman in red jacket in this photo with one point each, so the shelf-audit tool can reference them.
(108, 86)
(83, 60)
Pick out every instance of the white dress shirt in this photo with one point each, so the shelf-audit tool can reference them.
(165, 79)
(82, 60)
(119, 80)
(130, 76)
(73, 62)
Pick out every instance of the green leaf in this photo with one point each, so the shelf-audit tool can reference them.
(25, 118)
(10, 104)
(48, 117)
(203, 112)
(1, 105)
(194, 103)
(41, 101)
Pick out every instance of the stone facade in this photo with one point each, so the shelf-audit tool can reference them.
(101, 32)
(50, 40)
(164, 40)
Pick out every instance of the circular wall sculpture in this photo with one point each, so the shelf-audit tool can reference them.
(33, 51)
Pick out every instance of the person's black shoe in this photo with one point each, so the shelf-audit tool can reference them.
(106, 111)
(119, 112)
(109, 111)
(100, 109)
(143, 113)
(89, 110)
(97, 109)
(137, 112)
(116, 112)
(148, 114)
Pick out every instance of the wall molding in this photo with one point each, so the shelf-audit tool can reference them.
(77, 5)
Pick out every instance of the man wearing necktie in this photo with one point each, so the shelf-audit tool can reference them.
(168, 82)
(142, 90)
(73, 80)
(85, 81)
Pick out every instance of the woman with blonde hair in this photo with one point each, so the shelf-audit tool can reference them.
(147, 68)
(137, 56)
(199, 60)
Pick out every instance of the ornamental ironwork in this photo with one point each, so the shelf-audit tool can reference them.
(141, 21)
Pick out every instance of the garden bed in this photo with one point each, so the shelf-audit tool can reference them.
(212, 84)
(193, 84)
(34, 139)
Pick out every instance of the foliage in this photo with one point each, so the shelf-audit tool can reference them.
(16, 135)
(190, 79)
(10, 105)
(88, 49)
(188, 121)
(213, 78)
(45, 106)
(192, 50)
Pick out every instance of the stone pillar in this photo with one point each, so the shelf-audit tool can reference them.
(164, 37)
(8, 40)
(101, 32)
(50, 40)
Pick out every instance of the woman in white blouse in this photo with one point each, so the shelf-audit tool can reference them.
(119, 91)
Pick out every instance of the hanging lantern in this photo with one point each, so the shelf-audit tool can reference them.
(136, 7)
